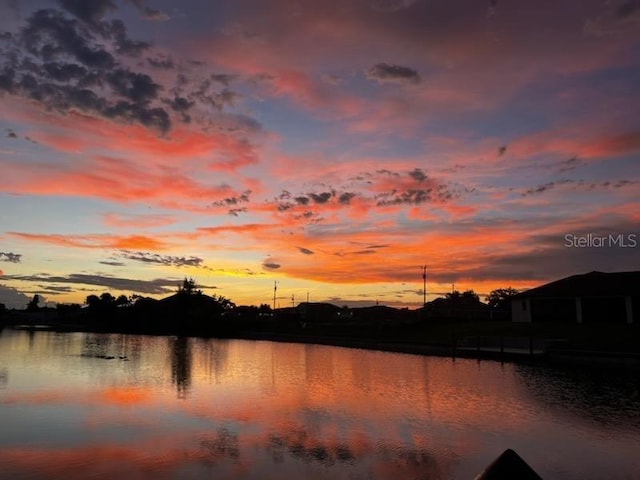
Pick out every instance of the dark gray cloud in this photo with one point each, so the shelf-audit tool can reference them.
(415, 196)
(363, 251)
(73, 64)
(270, 264)
(219, 99)
(10, 257)
(580, 185)
(234, 212)
(112, 263)
(64, 72)
(11, 133)
(164, 62)
(234, 123)
(155, 286)
(376, 188)
(545, 187)
(570, 164)
(385, 171)
(309, 216)
(345, 198)
(384, 73)
(244, 197)
(155, 14)
(133, 86)
(305, 251)
(55, 290)
(418, 175)
(92, 11)
(150, 13)
(167, 260)
(322, 197)
(13, 298)
(124, 44)
(223, 78)
(502, 150)
(48, 34)
(207, 92)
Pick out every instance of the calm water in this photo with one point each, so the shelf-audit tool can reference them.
(173, 408)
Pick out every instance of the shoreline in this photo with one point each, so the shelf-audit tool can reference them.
(553, 356)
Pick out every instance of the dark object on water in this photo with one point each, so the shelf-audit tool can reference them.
(509, 466)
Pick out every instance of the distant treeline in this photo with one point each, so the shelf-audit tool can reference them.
(191, 312)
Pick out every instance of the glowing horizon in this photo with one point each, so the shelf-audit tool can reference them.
(334, 147)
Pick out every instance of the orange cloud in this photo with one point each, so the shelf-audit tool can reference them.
(118, 180)
(607, 146)
(128, 242)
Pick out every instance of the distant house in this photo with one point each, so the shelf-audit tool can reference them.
(594, 297)
(457, 308)
(317, 312)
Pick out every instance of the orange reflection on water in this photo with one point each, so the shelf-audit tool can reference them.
(126, 395)
(188, 408)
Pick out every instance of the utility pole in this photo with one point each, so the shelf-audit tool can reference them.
(424, 285)
(275, 289)
(293, 300)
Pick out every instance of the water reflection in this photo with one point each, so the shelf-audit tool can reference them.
(114, 406)
(4, 377)
(181, 365)
(608, 398)
(224, 445)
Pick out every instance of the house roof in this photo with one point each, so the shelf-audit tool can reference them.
(592, 284)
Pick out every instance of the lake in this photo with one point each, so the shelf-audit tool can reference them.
(110, 406)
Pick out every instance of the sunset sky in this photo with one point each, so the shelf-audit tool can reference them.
(335, 146)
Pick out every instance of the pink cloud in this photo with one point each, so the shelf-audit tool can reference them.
(127, 242)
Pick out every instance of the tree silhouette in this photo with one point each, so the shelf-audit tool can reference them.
(33, 304)
(122, 300)
(107, 299)
(223, 302)
(468, 297)
(92, 301)
(500, 297)
(106, 303)
(189, 287)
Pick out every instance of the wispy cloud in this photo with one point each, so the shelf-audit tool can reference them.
(94, 241)
(385, 73)
(154, 286)
(10, 257)
(166, 260)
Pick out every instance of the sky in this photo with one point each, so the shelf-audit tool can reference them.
(334, 147)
